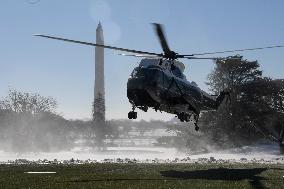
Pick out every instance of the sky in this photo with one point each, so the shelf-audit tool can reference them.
(65, 71)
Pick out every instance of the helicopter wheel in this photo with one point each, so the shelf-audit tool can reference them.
(196, 128)
(181, 117)
(196, 117)
(132, 115)
(144, 108)
(187, 117)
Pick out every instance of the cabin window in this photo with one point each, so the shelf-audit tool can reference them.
(176, 71)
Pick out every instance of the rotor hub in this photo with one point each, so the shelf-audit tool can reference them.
(172, 55)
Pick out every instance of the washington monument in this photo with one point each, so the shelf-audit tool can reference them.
(99, 90)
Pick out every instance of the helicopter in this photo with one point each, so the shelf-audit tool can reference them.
(158, 82)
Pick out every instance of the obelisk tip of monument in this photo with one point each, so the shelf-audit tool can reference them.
(99, 25)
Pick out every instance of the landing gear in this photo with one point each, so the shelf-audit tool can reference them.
(132, 114)
(183, 117)
(196, 117)
(196, 127)
(144, 108)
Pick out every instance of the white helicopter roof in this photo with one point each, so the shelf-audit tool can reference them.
(145, 62)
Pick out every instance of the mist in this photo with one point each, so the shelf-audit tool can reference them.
(29, 124)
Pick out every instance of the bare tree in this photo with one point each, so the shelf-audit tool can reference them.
(32, 103)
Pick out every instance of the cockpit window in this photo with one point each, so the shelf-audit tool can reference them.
(134, 72)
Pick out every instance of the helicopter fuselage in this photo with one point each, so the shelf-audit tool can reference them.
(161, 85)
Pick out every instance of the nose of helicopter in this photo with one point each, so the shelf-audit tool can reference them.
(142, 78)
(140, 83)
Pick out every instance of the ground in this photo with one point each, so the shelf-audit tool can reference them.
(141, 175)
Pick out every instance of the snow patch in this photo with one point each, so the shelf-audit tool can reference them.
(265, 153)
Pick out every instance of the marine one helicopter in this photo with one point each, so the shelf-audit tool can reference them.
(159, 83)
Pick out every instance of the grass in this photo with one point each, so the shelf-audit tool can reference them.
(124, 176)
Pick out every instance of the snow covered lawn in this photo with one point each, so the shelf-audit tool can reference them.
(265, 153)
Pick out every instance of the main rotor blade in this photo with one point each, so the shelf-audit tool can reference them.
(161, 35)
(236, 50)
(140, 55)
(98, 45)
(213, 58)
(205, 58)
